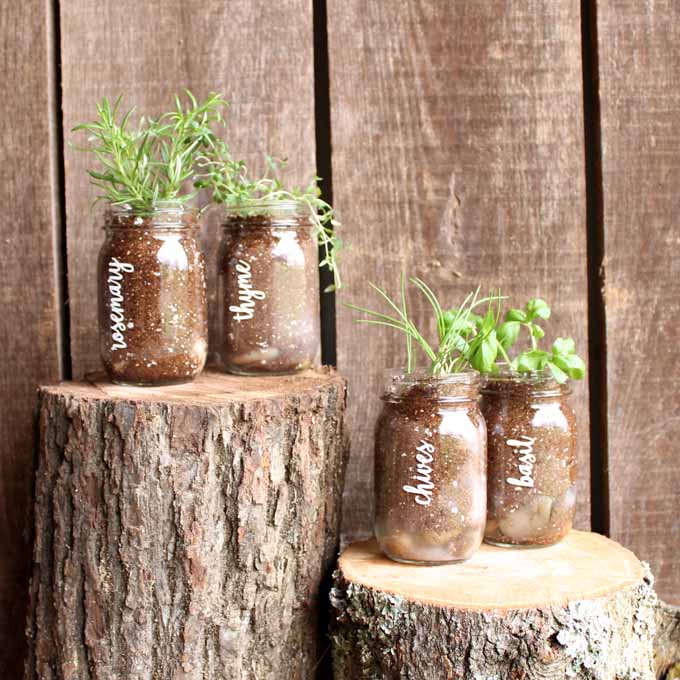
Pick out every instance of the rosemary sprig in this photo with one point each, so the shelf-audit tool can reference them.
(150, 162)
(229, 183)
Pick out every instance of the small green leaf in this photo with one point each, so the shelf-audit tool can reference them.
(571, 364)
(507, 333)
(534, 360)
(564, 346)
(537, 307)
(516, 315)
(537, 331)
(557, 372)
(484, 357)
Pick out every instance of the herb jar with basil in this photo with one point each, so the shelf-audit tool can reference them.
(151, 274)
(430, 439)
(268, 303)
(531, 459)
(532, 434)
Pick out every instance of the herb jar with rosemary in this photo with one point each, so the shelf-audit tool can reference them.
(532, 433)
(151, 272)
(430, 441)
(268, 303)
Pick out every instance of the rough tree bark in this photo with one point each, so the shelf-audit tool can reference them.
(667, 642)
(184, 533)
(584, 608)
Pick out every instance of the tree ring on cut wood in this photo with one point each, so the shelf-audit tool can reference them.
(583, 608)
(185, 531)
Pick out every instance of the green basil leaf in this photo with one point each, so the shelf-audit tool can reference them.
(507, 333)
(515, 315)
(535, 360)
(571, 364)
(537, 331)
(564, 346)
(557, 372)
(538, 307)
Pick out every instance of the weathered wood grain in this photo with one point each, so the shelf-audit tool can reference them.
(457, 156)
(260, 56)
(639, 77)
(186, 532)
(30, 333)
(583, 608)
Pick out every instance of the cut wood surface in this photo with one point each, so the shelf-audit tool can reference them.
(30, 295)
(458, 157)
(639, 79)
(584, 608)
(258, 55)
(186, 531)
(582, 567)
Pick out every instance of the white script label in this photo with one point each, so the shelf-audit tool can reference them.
(524, 448)
(117, 310)
(422, 492)
(246, 294)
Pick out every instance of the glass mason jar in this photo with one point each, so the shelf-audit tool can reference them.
(430, 468)
(153, 327)
(531, 459)
(269, 289)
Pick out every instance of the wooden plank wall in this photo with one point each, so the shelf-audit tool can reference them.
(30, 297)
(457, 149)
(639, 93)
(458, 157)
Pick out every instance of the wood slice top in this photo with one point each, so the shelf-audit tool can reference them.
(210, 387)
(583, 566)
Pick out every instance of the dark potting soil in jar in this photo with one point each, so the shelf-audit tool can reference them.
(152, 297)
(430, 469)
(531, 460)
(269, 299)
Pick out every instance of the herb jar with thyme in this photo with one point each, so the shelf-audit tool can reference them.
(151, 273)
(269, 289)
(532, 434)
(430, 440)
(268, 303)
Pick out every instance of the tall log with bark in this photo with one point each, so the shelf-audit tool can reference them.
(185, 532)
(584, 608)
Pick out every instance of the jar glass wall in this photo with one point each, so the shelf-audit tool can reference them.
(430, 468)
(152, 296)
(531, 459)
(269, 290)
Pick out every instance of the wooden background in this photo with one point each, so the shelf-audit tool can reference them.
(530, 145)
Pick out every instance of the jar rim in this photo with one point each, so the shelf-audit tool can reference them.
(166, 214)
(467, 376)
(449, 388)
(540, 383)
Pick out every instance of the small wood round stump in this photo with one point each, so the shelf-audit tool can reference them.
(186, 532)
(581, 609)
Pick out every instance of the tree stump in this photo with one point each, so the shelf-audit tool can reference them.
(185, 532)
(583, 608)
(667, 642)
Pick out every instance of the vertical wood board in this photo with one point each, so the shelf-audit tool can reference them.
(639, 76)
(30, 330)
(260, 57)
(457, 157)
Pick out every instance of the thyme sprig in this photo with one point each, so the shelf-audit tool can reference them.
(143, 164)
(460, 338)
(229, 182)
